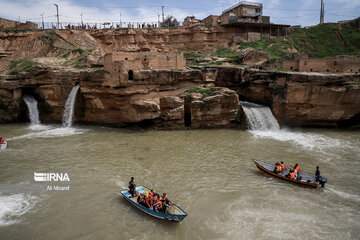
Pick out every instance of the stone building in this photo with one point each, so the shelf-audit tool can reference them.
(248, 19)
(341, 64)
(122, 66)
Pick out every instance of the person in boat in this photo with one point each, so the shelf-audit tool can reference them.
(277, 168)
(141, 200)
(282, 165)
(132, 187)
(158, 206)
(148, 200)
(296, 170)
(292, 174)
(317, 174)
(165, 199)
(153, 193)
(2, 141)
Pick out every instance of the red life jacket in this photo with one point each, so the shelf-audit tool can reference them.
(292, 175)
(297, 169)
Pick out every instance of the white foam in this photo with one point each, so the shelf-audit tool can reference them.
(12, 207)
(56, 132)
(342, 194)
(39, 127)
(306, 140)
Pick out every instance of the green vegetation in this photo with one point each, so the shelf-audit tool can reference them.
(193, 55)
(226, 53)
(193, 63)
(322, 41)
(206, 91)
(21, 65)
(276, 48)
(318, 41)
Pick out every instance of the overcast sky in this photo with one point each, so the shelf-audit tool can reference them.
(293, 12)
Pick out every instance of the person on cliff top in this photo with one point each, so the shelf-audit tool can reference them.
(132, 187)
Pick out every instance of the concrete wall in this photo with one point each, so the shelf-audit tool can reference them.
(342, 64)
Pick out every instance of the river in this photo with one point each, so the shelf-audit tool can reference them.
(208, 173)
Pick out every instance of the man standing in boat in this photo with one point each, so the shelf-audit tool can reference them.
(132, 187)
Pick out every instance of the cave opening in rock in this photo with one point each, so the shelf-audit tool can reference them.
(131, 74)
(187, 112)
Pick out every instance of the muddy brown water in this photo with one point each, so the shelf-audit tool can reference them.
(208, 173)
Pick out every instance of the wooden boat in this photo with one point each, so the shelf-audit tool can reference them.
(306, 179)
(3, 145)
(172, 213)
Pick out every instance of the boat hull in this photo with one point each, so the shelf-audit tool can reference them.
(3, 146)
(160, 215)
(312, 184)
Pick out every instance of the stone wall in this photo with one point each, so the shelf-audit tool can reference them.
(342, 64)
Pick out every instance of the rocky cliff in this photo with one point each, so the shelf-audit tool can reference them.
(196, 97)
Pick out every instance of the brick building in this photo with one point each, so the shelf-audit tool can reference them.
(122, 66)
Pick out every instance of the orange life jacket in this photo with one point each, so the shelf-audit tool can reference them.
(297, 169)
(158, 204)
(164, 198)
(282, 167)
(148, 201)
(292, 175)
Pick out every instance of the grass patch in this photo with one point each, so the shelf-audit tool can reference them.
(276, 48)
(206, 91)
(193, 55)
(317, 42)
(224, 52)
(21, 65)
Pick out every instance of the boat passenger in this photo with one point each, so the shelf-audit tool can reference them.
(132, 187)
(292, 174)
(296, 168)
(2, 141)
(148, 200)
(317, 174)
(158, 207)
(141, 199)
(165, 199)
(282, 166)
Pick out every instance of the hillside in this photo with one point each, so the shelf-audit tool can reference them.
(318, 41)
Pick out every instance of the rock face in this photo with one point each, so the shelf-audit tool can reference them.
(152, 99)
(218, 110)
(252, 57)
(159, 99)
(298, 99)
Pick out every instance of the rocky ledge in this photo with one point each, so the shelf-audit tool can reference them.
(199, 97)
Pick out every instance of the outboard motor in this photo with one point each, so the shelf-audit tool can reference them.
(322, 181)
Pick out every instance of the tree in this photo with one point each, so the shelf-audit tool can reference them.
(169, 22)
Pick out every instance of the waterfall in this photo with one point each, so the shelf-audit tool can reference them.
(259, 117)
(69, 107)
(33, 110)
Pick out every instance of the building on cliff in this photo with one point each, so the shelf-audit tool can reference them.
(122, 65)
(248, 19)
(342, 64)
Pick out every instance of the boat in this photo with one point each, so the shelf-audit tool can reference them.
(3, 145)
(306, 179)
(173, 212)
